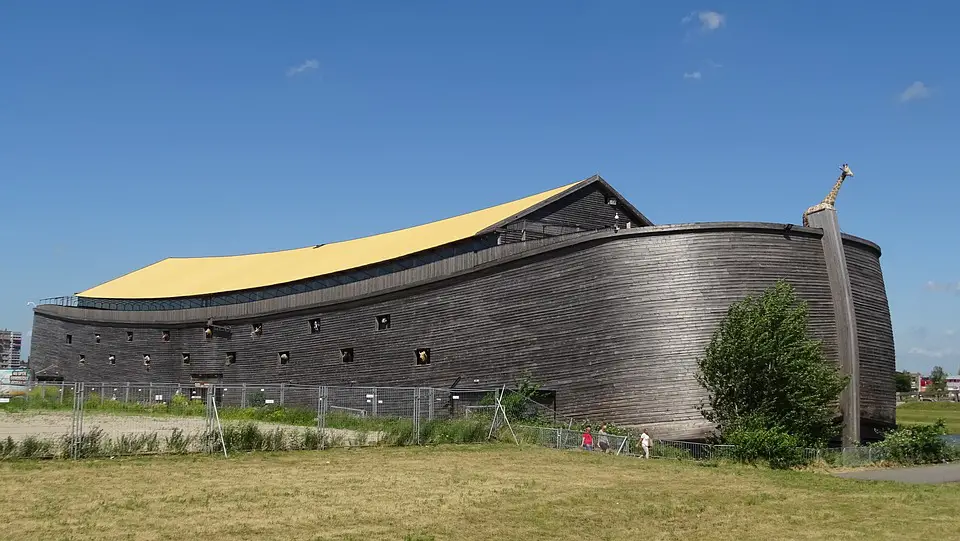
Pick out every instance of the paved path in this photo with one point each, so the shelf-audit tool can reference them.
(941, 473)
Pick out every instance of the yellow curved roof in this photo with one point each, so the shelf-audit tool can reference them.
(187, 277)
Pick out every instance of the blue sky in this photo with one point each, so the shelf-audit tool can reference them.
(134, 131)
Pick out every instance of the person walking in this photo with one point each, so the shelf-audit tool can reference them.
(645, 443)
(586, 440)
(603, 440)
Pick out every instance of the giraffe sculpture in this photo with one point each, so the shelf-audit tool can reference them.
(831, 197)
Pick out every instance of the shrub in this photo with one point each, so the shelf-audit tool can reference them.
(758, 441)
(917, 444)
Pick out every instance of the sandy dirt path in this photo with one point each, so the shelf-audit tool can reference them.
(50, 424)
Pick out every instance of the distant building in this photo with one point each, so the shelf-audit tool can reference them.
(10, 344)
(953, 383)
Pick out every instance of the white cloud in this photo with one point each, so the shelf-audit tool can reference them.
(713, 64)
(306, 66)
(916, 91)
(950, 332)
(934, 353)
(694, 75)
(709, 20)
(943, 286)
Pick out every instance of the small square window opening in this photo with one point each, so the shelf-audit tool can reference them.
(346, 355)
(314, 326)
(283, 357)
(129, 336)
(231, 357)
(185, 357)
(383, 322)
(423, 356)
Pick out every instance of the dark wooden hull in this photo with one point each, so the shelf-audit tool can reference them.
(614, 322)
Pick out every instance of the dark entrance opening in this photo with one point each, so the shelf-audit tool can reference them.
(202, 383)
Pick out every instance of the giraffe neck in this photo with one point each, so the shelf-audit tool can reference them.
(831, 197)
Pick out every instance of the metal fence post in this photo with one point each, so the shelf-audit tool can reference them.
(433, 400)
(319, 407)
(126, 394)
(373, 402)
(243, 395)
(282, 388)
(76, 429)
(416, 413)
(322, 418)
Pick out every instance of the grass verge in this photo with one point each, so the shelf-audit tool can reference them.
(464, 493)
(928, 412)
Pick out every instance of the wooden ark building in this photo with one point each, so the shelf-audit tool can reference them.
(573, 285)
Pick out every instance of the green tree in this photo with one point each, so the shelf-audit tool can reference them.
(938, 382)
(762, 369)
(903, 381)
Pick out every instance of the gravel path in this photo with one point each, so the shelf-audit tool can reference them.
(941, 473)
(49, 424)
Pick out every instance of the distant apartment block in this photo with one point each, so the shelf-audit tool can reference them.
(10, 344)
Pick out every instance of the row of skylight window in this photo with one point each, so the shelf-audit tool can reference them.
(283, 357)
(421, 357)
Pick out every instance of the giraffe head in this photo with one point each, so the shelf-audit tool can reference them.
(845, 171)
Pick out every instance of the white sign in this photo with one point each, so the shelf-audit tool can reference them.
(268, 401)
(14, 381)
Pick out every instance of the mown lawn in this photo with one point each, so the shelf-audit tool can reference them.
(479, 492)
(928, 412)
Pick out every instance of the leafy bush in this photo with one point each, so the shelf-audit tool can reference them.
(917, 444)
(761, 364)
(757, 440)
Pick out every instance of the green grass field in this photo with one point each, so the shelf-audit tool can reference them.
(928, 412)
(462, 493)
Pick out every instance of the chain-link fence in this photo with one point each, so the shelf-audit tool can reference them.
(39, 423)
(539, 424)
(128, 418)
